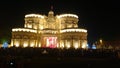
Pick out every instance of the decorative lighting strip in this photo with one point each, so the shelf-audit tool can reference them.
(24, 30)
(67, 15)
(49, 31)
(34, 15)
(73, 30)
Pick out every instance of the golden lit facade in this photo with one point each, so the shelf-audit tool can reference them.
(60, 31)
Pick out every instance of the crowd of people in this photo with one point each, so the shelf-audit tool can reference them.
(11, 55)
(57, 52)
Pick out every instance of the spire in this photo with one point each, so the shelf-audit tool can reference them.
(51, 13)
(51, 7)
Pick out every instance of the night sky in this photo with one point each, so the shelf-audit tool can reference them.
(100, 18)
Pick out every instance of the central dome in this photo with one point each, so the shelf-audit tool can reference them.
(51, 12)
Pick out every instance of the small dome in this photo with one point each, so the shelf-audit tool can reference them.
(51, 12)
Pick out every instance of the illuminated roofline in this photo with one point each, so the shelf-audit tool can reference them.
(34, 15)
(24, 30)
(73, 30)
(67, 15)
(49, 31)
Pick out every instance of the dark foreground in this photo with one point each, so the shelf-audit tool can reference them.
(58, 58)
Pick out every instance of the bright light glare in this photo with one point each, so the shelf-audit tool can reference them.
(5, 44)
(83, 45)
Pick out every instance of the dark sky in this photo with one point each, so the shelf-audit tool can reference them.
(100, 18)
